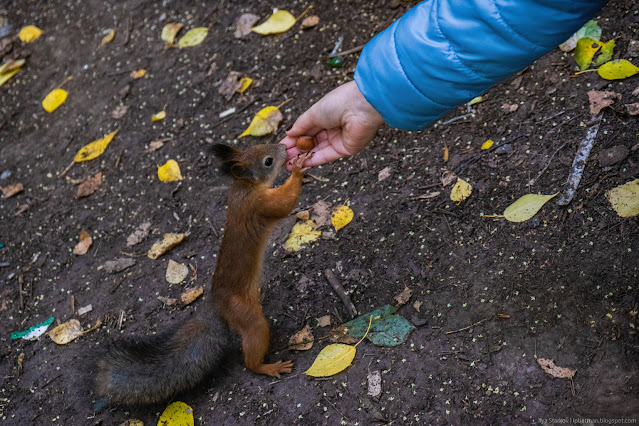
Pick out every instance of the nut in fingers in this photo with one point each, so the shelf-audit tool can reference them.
(305, 143)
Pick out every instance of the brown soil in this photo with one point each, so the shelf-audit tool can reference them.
(567, 279)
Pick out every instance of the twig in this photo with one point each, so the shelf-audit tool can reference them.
(335, 408)
(579, 163)
(532, 181)
(339, 289)
(117, 285)
(465, 116)
(466, 328)
(225, 119)
(47, 383)
(347, 52)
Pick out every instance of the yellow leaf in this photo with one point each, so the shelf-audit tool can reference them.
(30, 33)
(94, 149)
(190, 294)
(277, 23)
(169, 172)
(193, 37)
(446, 154)
(54, 99)
(135, 74)
(83, 245)
(7, 75)
(11, 64)
(332, 360)
(265, 122)
(176, 272)
(585, 51)
(487, 144)
(177, 414)
(159, 116)
(109, 37)
(625, 199)
(301, 234)
(476, 100)
(606, 53)
(245, 83)
(167, 243)
(341, 217)
(526, 207)
(66, 332)
(461, 190)
(617, 69)
(169, 32)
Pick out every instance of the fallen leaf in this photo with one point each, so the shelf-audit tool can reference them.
(559, 372)
(117, 265)
(176, 272)
(341, 217)
(617, 70)
(632, 109)
(321, 213)
(135, 74)
(66, 332)
(417, 305)
(585, 51)
(625, 199)
(83, 245)
(89, 186)
(11, 190)
(277, 23)
(190, 294)
(159, 116)
(447, 177)
(301, 234)
(9, 69)
(601, 99)
(54, 99)
(374, 383)
(487, 144)
(387, 328)
(168, 301)
(334, 358)
(32, 333)
(177, 414)
(265, 122)
(427, 196)
(404, 296)
(244, 24)
(169, 172)
(29, 33)
(303, 215)
(245, 83)
(460, 191)
(119, 111)
(94, 149)
(302, 340)
(384, 173)
(324, 321)
(169, 32)
(605, 54)
(139, 235)
(509, 107)
(167, 243)
(229, 85)
(446, 154)
(85, 310)
(109, 37)
(476, 100)
(310, 22)
(193, 37)
(156, 144)
(590, 29)
(526, 207)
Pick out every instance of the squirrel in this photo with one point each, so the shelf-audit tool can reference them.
(151, 370)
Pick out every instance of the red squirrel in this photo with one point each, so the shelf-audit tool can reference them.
(149, 370)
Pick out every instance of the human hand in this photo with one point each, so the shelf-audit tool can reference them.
(342, 122)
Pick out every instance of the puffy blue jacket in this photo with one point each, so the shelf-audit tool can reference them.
(442, 53)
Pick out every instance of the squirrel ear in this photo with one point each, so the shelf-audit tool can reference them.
(227, 155)
(241, 171)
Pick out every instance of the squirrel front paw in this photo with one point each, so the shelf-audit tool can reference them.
(298, 163)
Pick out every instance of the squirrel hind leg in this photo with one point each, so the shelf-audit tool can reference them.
(274, 370)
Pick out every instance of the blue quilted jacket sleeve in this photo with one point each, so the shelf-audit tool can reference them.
(442, 53)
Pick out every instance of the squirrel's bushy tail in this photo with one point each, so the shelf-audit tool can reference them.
(135, 371)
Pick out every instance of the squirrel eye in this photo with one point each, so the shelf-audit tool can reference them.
(268, 161)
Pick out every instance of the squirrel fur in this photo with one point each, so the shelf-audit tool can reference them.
(146, 370)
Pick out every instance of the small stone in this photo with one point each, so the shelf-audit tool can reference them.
(504, 149)
(614, 155)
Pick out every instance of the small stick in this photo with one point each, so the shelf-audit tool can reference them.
(466, 328)
(339, 289)
(347, 52)
(64, 172)
(117, 285)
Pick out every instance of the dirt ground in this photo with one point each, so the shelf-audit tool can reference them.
(562, 286)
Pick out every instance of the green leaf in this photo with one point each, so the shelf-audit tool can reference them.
(526, 207)
(585, 51)
(617, 70)
(590, 29)
(386, 329)
(193, 37)
(605, 54)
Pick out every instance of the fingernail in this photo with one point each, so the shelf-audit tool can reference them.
(289, 127)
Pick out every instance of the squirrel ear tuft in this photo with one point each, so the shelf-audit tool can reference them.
(228, 155)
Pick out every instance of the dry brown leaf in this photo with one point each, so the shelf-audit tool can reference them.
(89, 186)
(404, 296)
(139, 235)
(560, 372)
(384, 173)
(417, 305)
(633, 109)
(168, 301)
(117, 265)
(190, 294)
(321, 213)
(510, 107)
(230, 84)
(85, 310)
(66, 332)
(119, 111)
(310, 22)
(324, 321)
(176, 272)
(374, 383)
(156, 144)
(302, 340)
(83, 245)
(244, 24)
(11, 190)
(303, 215)
(448, 177)
(601, 99)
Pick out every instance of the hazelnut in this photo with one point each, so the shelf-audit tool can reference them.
(305, 143)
